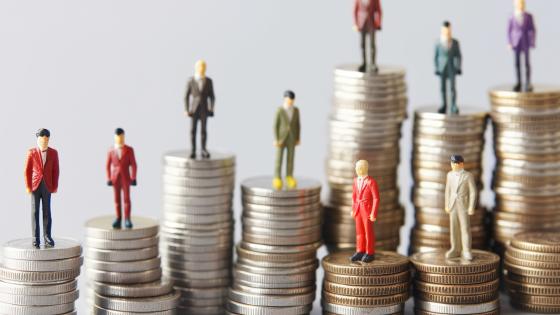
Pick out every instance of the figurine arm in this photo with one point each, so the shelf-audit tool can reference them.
(510, 31)
(458, 59)
(472, 195)
(108, 166)
(532, 32)
(378, 13)
(356, 9)
(55, 171)
(447, 193)
(133, 166)
(436, 57)
(28, 171)
(188, 97)
(277, 126)
(298, 126)
(375, 201)
(211, 96)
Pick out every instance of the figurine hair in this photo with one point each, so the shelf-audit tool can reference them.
(455, 159)
(119, 131)
(43, 133)
(290, 94)
(446, 24)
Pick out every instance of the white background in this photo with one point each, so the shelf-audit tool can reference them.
(82, 68)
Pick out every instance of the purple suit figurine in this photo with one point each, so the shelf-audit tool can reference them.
(521, 36)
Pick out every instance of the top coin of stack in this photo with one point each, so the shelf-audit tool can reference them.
(197, 229)
(365, 124)
(527, 146)
(39, 281)
(436, 138)
(456, 286)
(379, 287)
(275, 270)
(532, 271)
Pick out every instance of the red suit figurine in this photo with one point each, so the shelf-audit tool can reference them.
(365, 202)
(367, 20)
(121, 173)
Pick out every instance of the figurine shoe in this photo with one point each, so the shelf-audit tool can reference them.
(517, 87)
(467, 256)
(291, 182)
(277, 183)
(127, 223)
(528, 87)
(442, 110)
(451, 254)
(454, 110)
(362, 68)
(117, 223)
(357, 256)
(205, 154)
(36, 243)
(193, 155)
(368, 258)
(49, 242)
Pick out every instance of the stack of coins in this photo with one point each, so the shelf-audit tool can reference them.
(39, 280)
(456, 286)
(275, 269)
(379, 287)
(435, 138)
(365, 124)
(532, 271)
(527, 174)
(197, 229)
(123, 269)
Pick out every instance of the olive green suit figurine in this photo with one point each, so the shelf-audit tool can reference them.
(448, 64)
(286, 137)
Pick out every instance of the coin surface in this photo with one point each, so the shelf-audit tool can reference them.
(435, 262)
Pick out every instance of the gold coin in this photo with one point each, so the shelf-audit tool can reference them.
(368, 281)
(531, 263)
(535, 299)
(383, 264)
(485, 287)
(422, 312)
(531, 272)
(458, 279)
(435, 262)
(364, 301)
(457, 299)
(531, 289)
(544, 242)
(379, 290)
(531, 279)
(533, 308)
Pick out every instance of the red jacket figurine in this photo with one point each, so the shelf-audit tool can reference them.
(35, 172)
(365, 202)
(367, 14)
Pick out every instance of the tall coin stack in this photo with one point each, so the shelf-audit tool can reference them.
(532, 272)
(275, 269)
(124, 271)
(39, 280)
(456, 286)
(435, 138)
(527, 174)
(197, 229)
(365, 124)
(379, 287)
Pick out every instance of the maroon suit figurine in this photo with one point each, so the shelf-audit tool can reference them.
(367, 20)
(365, 202)
(41, 180)
(121, 173)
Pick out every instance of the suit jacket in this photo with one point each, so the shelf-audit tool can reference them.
(196, 97)
(123, 168)
(367, 16)
(286, 131)
(522, 36)
(463, 197)
(35, 171)
(448, 58)
(366, 198)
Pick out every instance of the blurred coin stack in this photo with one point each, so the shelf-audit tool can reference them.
(532, 272)
(379, 287)
(39, 280)
(527, 174)
(276, 260)
(435, 138)
(123, 269)
(456, 286)
(365, 124)
(197, 229)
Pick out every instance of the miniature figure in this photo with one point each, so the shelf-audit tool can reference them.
(365, 202)
(286, 137)
(521, 37)
(121, 173)
(448, 64)
(199, 105)
(367, 20)
(41, 180)
(460, 201)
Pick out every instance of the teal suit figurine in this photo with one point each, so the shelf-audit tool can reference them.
(448, 65)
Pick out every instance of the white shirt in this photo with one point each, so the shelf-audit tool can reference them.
(199, 81)
(455, 179)
(361, 181)
(118, 148)
(519, 17)
(289, 111)
(446, 42)
(43, 155)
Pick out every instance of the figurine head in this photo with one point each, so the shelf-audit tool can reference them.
(362, 167)
(457, 162)
(289, 98)
(446, 30)
(519, 5)
(43, 135)
(200, 68)
(119, 136)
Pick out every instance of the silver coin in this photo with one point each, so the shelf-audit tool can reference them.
(282, 240)
(43, 277)
(262, 186)
(250, 268)
(201, 210)
(198, 219)
(280, 249)
(262, 232)
(43, 265)
(200, 310)
(240, 308)
(456, 308)
(280, 209)
(281, 201)
(36, 310)
(181, 201)
(102, 228)
(275, 286)
(274, 264)
(122, 244)
(200, 257)
(215, 302)
(271, 300)
(351, 310)
(39, 300)
(124, 277)
(281, 224)
(186, 234)
(201, 283)
(264, 291)
(164, 246)
(121, 255)
(141, 305)
(198, 173)
(151, 289)
(222, 240)
(286, 281)
(23, 249)
(203, 293)
(197, 192)
(32, 290)
(195, 265)
(199, 182)
(101, 311)
(182, 159)
(226, 225)
(128, 266)
(197, 275)
(279, 217)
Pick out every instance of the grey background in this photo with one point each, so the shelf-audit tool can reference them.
(82, 68)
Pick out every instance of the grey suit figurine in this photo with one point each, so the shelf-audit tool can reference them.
(448, 65)
(460, 202)
(199, 105)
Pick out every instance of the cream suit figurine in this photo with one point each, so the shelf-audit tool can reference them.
(460, 201)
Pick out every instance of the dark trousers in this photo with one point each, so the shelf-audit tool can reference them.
(518, 54)
(445, 76)
(41, 196)
(198, 116)
(373, 50)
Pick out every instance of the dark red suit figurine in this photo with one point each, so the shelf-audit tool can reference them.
(367, 20)
(121, 173)
(41, 180)
(365, 201)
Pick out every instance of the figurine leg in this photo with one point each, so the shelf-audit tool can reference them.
(203, 137)
(443, 85)
(363, 35)
(194, 123)
(127, 204)
(277, 181)
(465, 225)
(528, 87)
(517, 86)
(35, 203)
(373, 52)
(290, 180)
(117, 198)
(454, 228)
(47, 219)
(454, 108)
(360, 233)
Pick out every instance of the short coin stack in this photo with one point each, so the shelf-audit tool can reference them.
(197, 228)
(527, 174)
(124, 271)
(436, 137)
(532, 271)
(39, 280)
(275, 270)
(365, 124)
(379, 287)
(456, 286)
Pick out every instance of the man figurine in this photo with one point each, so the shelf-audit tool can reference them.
(448, 64)
(121, 173)
(367, 20)
(41, 180)
(286, 137)
(460, 201)
(521, 36)
(199, 105)
(365, 202)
